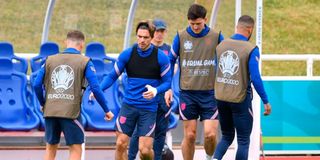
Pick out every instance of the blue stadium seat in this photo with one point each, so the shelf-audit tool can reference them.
(96, 50)
(91, 109)
(16, 114)
(46, 49)
(102, 69)
(19, 64)
(35, 103)
(102, 63)
(93, 112)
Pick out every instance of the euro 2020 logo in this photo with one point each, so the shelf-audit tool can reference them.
(187, 45)
(62, 78)
(229, 63)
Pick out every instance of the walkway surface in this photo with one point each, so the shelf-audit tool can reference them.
(108, 154)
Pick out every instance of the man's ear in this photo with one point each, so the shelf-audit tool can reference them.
(251, 30)
(81, 45)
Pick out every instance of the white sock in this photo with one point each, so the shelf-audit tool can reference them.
(208, 157)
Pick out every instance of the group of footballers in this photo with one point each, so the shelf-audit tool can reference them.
(215, 85)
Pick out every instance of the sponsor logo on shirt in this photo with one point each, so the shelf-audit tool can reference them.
(197, 63)
(192, 67)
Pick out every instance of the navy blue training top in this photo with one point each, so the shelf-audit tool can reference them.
(136, 86)
(165, 48)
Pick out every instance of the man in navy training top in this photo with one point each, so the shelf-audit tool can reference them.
(148, 71)
(63, 77)
(195, 47)
(238, 66)
(164, 111)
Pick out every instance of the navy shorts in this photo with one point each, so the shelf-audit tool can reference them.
(163, 108)
(72, 129)
(163, 115)
(195, 104)
(130, 116)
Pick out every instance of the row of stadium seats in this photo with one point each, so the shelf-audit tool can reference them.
(19, 107)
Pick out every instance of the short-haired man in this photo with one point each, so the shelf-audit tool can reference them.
(195, 47)
(164, 111)
(63, 76)
(148, 71)
(238, 66)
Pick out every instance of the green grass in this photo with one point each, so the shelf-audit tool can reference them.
(289, 26)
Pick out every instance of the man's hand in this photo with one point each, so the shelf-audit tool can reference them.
(151, 93)
(108, 116)
(91, 96)
(267, 109)
(168, 97)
